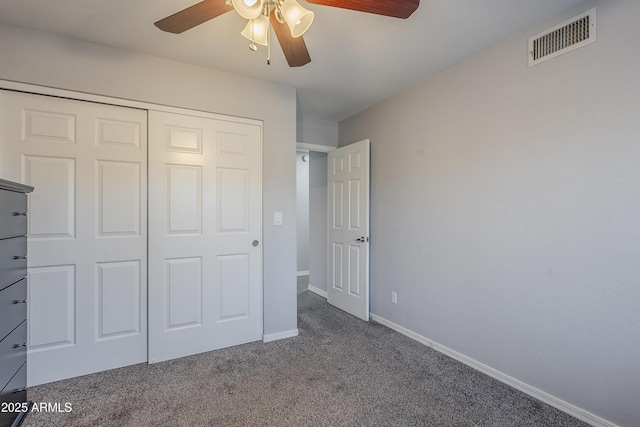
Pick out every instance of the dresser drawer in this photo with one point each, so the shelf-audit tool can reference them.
(13, 208)
(13, 353)
(14, 392)
(13, 307)
(12, 268)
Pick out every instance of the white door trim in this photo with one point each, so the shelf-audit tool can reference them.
(120, 102)
(319, 148)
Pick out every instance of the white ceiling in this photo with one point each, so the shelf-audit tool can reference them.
(358, 59)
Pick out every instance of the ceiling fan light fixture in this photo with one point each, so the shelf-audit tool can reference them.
(289, 30)
(248, 9)
(297, 17)
(257, 30)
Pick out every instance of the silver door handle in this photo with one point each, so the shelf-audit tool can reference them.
(362, 239)
(255, 243)
(24, 344)
(19, 214)
(20, 301)
(20, 257)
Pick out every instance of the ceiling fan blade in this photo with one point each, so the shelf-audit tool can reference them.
(295, 49)
(394, 8)
(193, 16)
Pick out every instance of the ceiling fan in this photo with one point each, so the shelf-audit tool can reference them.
(287, 17)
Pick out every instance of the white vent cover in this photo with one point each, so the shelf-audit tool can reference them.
(572, 34)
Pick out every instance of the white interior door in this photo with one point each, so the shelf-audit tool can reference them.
(348, 236)
(205, 232)
(87, 230)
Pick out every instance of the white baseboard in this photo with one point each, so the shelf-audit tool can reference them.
(303, 273)
(318, 291)
(280, 335)
(545, 397)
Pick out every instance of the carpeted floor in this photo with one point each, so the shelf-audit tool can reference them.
(339, 372)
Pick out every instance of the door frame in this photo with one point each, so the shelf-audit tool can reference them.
(325, 292)
(301, 146)
(120, 102)
(317, 148)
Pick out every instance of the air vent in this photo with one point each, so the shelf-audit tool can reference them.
(572, 34)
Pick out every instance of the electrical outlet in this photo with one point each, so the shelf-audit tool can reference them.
(394, 297)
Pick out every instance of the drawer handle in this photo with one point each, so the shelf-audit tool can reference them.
(19, 214)
(20, 390)
(20, 301)
(20, 257)
(24, 344)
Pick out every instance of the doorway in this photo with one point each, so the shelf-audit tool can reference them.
(302, 212)
(312, 217)
(338, 188)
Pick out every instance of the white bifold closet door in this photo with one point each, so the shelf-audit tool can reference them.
(205, 234)
(87, 224)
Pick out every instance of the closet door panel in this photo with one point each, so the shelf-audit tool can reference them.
(87, 230)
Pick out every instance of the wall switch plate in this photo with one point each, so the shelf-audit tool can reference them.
(277, 218)
(394, 297)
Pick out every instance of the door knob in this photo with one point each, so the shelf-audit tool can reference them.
(362, 239)
(255, 243)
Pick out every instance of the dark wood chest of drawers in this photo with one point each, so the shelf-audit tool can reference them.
(13, 302)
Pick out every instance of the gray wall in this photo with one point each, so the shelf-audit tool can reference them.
(44, 59)
(505, 212)
(302, 220)
(318, 220)
(312, 130)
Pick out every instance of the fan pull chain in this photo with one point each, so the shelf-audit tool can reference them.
(268, 11)
(269, 46)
